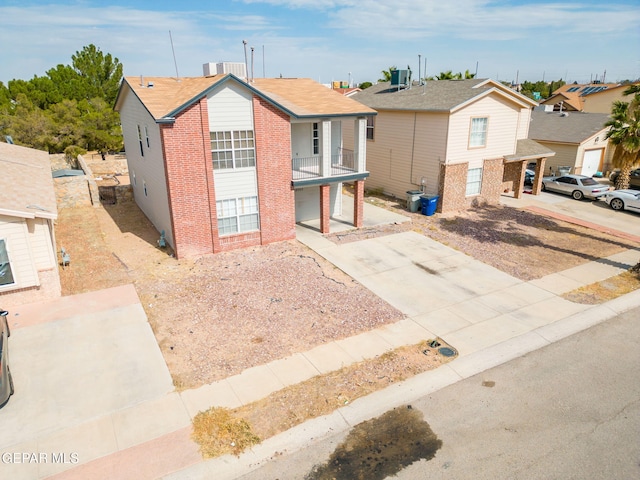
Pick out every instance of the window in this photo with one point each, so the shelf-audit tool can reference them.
(370, 126)
(233, 149)
(6, 275)
(237, 215)
(140, 140)
(146, 135)
(316, 139)
(144, 187)
(478, 135)
(474, 181)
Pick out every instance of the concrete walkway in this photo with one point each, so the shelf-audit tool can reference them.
(487, 315)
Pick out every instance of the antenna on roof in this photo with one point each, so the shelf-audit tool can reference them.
(174, 56)
(246, 64)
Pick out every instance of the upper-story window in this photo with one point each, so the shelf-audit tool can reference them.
(235, 149)
(140, 140)
(370, 127)
(478, 133)
(146, 136)
(316, 139)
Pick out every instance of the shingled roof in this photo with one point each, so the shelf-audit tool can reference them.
(26, 183)
(299, 97)
(571, 127)
(435, 95)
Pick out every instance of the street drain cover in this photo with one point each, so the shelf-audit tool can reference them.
(446, 352)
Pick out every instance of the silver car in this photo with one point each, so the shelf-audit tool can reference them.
(6, 382)
(623, 200)
(578, 186)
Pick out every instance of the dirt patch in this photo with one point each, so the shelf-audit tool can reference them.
(217, 315)
(605, 290)
(219, 431)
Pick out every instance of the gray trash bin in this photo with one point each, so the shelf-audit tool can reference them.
(564, 170)
(413, 200)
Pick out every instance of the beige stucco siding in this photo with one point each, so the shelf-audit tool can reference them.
(147, 169)
(396, 158)
(16, 235)
(524, 121)
(565, 156)
(502, 130)
(603, 101)
(41, 243)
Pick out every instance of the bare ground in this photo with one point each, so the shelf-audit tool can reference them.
(219, 314)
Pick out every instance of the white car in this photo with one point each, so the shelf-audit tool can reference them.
(623, 200)
(578, 186)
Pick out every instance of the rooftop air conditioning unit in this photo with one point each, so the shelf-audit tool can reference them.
(235, 68)
(400, 78)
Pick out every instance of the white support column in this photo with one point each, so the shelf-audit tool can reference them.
(325, 167)
(360, 144)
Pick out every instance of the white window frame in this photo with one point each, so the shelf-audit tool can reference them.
(233, 149)
(474, 182)
(140, 141)
(371, 125)
(478, 128)
(5, 260)
(238, 215)
(146, 136)
(315, 138)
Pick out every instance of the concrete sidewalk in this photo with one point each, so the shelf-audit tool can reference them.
(488, 316)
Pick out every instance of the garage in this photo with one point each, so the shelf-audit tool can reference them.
(592, 161)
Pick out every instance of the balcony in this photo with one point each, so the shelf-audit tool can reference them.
(305, 168)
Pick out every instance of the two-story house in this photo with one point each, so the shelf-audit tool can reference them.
(218, 163)
(463, 140)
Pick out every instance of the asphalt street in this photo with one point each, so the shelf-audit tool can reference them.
(570, 410)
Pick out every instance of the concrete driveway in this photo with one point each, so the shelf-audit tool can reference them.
(76, 362)
(586, 210)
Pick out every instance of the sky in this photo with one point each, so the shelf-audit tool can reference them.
(330, 40)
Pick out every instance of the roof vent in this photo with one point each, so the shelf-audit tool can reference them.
(150, 84)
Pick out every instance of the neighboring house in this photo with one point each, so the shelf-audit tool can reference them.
(28, 259)
(449, 138)
(578, 138)
(218, 163)
(602, 101)
(572, 97)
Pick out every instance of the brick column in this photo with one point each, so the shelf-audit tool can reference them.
(358, 203)
(325, 208)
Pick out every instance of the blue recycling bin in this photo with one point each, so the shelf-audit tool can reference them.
(429, 204)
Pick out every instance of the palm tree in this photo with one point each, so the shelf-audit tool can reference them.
(624, 134)
(386, 74)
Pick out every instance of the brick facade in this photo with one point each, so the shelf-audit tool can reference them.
(453, 186)
(273, 164)
(189, 173)
(358, 203)
(325, 208)
(191, 188)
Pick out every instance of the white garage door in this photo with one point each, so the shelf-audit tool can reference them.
(591, 161)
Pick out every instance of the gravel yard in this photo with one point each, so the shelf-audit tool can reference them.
(217, 315)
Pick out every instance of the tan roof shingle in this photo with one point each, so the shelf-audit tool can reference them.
(26, 182)
(300, 97)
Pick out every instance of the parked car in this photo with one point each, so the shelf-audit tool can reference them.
(6, 382)
(578, 186)
(529, 175)
(623, 200)
(634, 177)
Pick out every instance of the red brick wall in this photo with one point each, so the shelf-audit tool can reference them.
(273, 163)
(358, 203)
(189, 171)
(453, 186)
